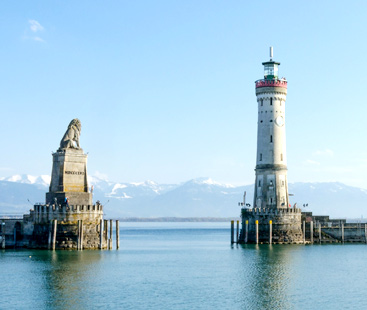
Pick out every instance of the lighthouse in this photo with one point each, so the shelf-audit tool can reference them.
(271, 219)
(271, 186)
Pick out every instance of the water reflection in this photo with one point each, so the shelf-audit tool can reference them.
(67, 275)
(267, 276)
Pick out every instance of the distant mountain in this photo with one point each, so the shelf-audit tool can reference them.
(331, 198)
(201, 197)
(14, 197)
(40, 181)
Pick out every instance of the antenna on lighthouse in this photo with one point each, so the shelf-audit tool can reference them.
(271, 53)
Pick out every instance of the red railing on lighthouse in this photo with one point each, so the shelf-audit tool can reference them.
(271, 83)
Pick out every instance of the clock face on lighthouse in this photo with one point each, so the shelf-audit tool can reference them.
(279, 121)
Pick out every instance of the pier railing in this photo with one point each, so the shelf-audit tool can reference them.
(11, 216)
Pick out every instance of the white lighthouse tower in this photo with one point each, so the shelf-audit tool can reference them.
(271, 187)
(271, 219)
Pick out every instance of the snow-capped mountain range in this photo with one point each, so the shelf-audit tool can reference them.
(200, 197)
(41, 181)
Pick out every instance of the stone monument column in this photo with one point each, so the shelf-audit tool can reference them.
(69, 170)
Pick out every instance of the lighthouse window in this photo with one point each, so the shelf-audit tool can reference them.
(261, 157)
(271, 200)
(261, 102)
(271, 139)
(261, 121)
(271, 101)
(281, 157)
(259, 182)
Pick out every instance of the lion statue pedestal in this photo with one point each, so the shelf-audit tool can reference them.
(69, 170)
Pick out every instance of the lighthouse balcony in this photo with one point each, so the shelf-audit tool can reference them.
(271, 83)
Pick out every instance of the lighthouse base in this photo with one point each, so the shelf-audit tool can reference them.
(267, 225)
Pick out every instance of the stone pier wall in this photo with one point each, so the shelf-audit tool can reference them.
(67, 225)
(66, 236)
(33, 229)
(71, 214)
(286, 225)
(23, 228)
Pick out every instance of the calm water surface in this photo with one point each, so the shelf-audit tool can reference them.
(186, 266)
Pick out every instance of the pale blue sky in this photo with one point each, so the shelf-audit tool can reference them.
(165, 89)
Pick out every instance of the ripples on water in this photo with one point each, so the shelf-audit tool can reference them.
(185, 266)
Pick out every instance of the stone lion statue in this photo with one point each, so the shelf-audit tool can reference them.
(71, 136)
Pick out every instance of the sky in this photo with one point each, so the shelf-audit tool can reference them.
(165, 89)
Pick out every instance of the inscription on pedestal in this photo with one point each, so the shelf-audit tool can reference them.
(75, 172)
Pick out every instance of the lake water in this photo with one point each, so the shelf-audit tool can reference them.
(186, 266)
